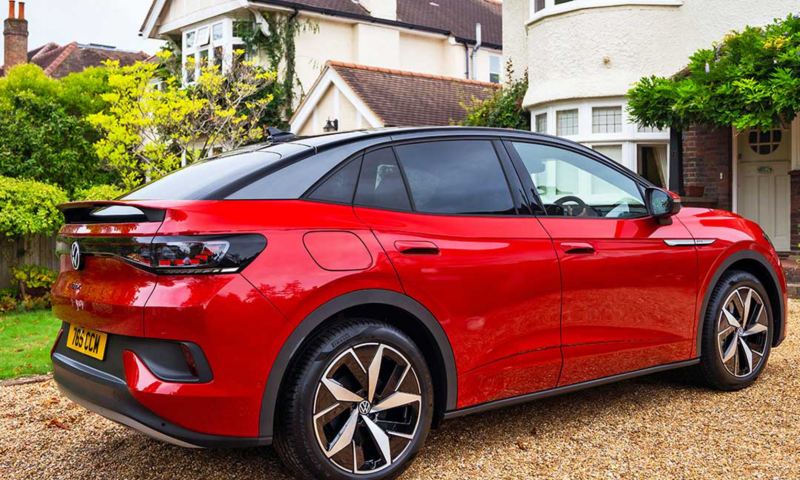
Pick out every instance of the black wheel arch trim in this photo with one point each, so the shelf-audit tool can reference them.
(329, 309)
(721, 269)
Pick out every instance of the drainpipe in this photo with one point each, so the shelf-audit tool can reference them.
(466, 60)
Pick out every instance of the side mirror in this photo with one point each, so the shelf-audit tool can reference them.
(662, 204)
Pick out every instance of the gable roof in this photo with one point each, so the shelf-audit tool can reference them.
(445, 17)
(400, 98)
(59, 61)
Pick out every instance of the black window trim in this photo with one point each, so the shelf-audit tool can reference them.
(641, 183)
(488, 138)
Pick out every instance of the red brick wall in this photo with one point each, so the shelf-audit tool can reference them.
(707, 162)
(794, 227)
(15, 46)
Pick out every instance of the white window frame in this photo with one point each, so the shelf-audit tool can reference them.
(550, 8)
(499, 71)
(204, 41)
(630, 136)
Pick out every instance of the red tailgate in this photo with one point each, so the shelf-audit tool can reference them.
(105, 292)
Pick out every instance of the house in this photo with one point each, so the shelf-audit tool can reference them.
(583, 56)
(446, 38)
(56, 60)
(349, 96)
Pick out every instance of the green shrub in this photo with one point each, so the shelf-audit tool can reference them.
(99, 192)
(33, 280)
(750, 79)
(29, 207)
(503, 109)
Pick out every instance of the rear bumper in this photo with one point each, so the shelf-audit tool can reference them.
(107, 394)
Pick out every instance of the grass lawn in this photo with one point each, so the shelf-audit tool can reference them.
(25, 341)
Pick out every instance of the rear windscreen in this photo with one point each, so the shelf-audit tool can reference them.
(202, 179)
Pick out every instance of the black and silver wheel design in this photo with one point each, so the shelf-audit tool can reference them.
(742, 332)
(737, 332)
(367, 408)
(357, 404)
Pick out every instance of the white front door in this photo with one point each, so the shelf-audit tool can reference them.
(764, 183)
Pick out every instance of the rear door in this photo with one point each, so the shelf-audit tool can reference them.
(465, 247)
(97, 288)
(628, 295)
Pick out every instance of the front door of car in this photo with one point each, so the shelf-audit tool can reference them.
(628, 296)
(444, 212)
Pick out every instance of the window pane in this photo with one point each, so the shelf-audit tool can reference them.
(538, 5)
(494, 69)
(567, 122)
(201, 178)
(381, 183)
(614, 152)
(571, 184)
(541, 123)
(340, 186)
(217, 32)
(189, 39)
(607, 120)
(456, 177)
(203, 36)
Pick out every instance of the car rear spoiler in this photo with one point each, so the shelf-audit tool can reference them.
(110, 212)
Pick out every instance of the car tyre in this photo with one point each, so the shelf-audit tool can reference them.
(737, 332)
(342, 414)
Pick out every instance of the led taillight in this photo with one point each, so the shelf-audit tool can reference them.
(176, 255)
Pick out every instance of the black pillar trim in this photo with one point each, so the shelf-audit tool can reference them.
(676, 161)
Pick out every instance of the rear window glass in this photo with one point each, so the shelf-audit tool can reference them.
(381, 182)
(456, 177)
(340, 186)
(201, 179)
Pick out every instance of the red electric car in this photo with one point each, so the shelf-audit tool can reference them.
(338, 296)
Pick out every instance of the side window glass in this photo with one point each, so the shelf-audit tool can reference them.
(340, 186)
(381, 183)
(456, 177)
(573, 185)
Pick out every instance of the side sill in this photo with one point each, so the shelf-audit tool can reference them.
(508, 402)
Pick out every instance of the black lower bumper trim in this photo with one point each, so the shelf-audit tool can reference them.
(108, 396)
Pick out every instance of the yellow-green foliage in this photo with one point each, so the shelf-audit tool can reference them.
(148, 130)
(29, 207)
(99, 192)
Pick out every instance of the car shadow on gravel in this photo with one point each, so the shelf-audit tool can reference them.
(477, 432)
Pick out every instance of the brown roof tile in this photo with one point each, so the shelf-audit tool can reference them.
(403, 98)
(60, 60)
(457, 17)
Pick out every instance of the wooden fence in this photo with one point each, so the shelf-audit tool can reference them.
(33, 249)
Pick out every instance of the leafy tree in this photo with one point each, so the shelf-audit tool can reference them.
(152, 124)
(99, 192)
(751, 79)
(503, 109)
(29, 207)
(44, 135)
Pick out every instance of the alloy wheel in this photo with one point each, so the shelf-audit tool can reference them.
(742, 329)
(367, 408)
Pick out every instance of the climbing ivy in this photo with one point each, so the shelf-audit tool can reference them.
(279, 48)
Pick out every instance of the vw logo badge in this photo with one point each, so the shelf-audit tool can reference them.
(364, 407)
(75, 255)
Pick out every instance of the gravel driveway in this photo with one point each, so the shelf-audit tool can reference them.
(658, 426)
